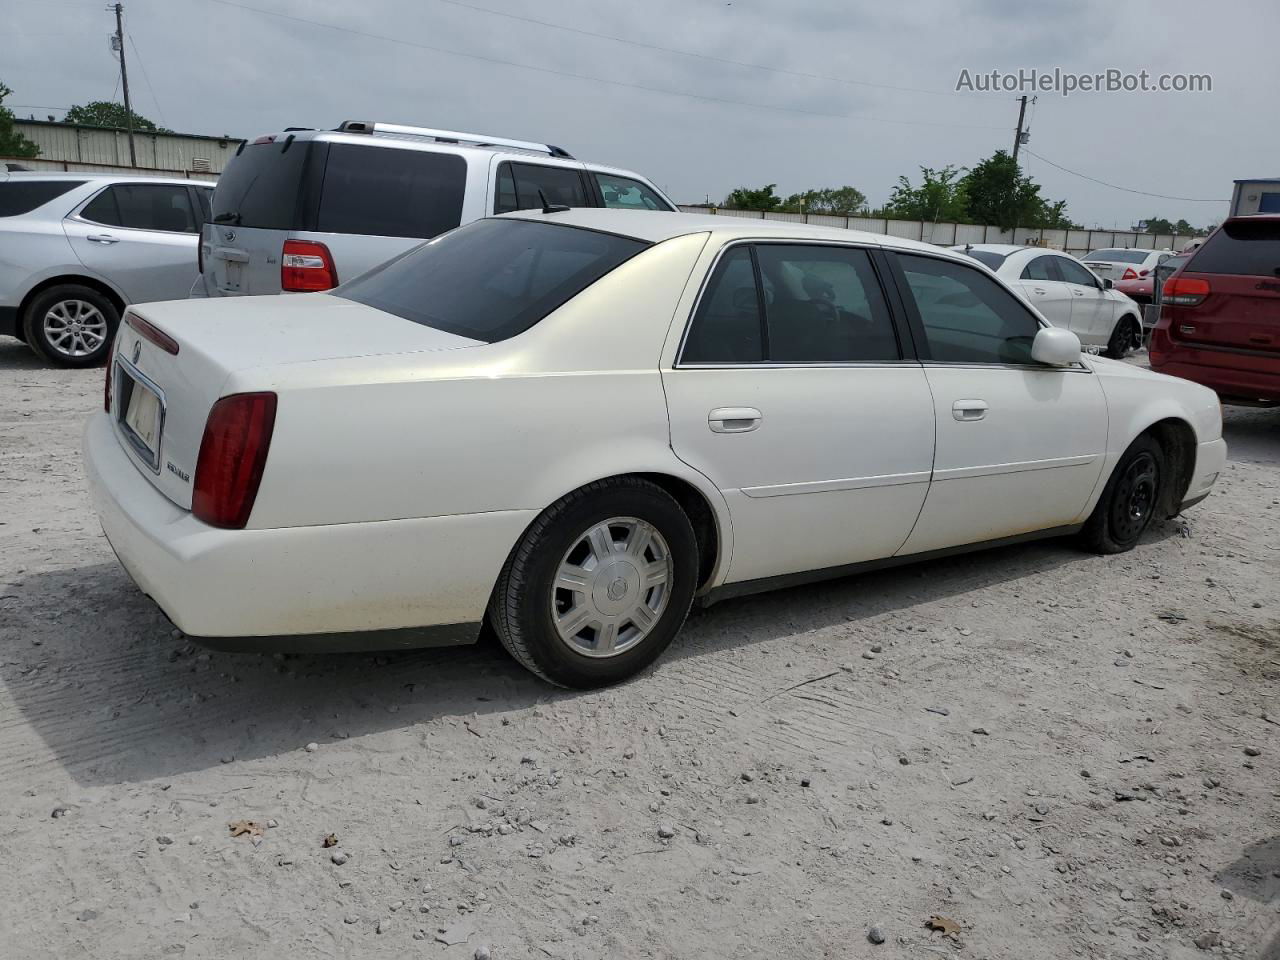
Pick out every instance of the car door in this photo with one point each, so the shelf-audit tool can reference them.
(1093, 313)
(141, 237)
(1019, 445)
(795, 395)
(1044, 287)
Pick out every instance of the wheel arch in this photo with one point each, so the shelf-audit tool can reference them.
(1178, 440)
(93, 283)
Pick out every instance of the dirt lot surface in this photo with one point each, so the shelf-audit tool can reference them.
(1062, 755)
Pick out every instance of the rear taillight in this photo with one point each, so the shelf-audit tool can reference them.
(233, 454)
(152, 334)
(1185, 291)
(306, 266)
(1143, 273)
(1129, 274)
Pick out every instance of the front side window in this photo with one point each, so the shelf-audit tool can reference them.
(389, 192)
(143, 206)
(1041, 268)
(624, 193)
(1073, 272)
(523, 186)
(491, 279)
(967, 316)
(22, 196)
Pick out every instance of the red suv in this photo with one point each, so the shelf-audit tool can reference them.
(1220, 321)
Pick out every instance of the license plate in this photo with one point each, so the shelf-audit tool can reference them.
(142, 416)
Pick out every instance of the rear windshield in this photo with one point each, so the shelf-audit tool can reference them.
(270, 185)
(1248, 248)
(23, 196)
(1119, 256)
(491, 279)
(992, 260)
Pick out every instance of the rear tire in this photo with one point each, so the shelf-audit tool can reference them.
(1129, 501)
(1125, 337)
(599, 584)
(70, 325)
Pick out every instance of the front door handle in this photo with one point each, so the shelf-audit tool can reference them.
(734, 419)
(969, 409)
(1078, 293)
(102, 238)
(1040, 290)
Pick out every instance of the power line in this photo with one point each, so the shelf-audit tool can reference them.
(1144, 193)
(142, 64)
(590, 79)
(711, 57)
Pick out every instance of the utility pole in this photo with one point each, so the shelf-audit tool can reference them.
(124, 81)
(1017, 137)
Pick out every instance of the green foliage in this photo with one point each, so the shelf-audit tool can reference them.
(1181, 228)
(940, 196)
(744, 198)
(12, 143)
(999, 194)
(834, 201)
(103, 113)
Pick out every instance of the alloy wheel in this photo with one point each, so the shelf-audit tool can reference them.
(75, 328)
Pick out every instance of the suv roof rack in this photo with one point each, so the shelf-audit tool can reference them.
(450, 136)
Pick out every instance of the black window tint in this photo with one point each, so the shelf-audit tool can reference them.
(625, 193)
(967, 316)
(491, 279)
(143, 206)
(727, 325)
(1041, 268)
(824, 305)
(987, 258)
(23, 196)
(530, 182)
(267, 185)
(103, 209)
(388, 192)
(204, 198)
(1250, 249)
(1073, 272)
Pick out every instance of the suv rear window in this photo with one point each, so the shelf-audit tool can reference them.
(387, 192)
(270, 185)
(1247, 248)
(22, 196)
(491, 279)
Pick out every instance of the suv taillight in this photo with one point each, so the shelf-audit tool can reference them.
(306, 266)
(1185, 291)
(233, 454)
(1129, 274)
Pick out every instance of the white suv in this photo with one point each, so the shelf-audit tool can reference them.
(305, 210)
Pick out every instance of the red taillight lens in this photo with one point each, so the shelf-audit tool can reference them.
(1185, 291)
(152, 334)
(306, 266)
(233, 454)
(1129, 274)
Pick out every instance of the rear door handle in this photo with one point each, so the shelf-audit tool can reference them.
(734, 419)
(102, 238)
(1039, 290)
(969, 409)
(1078, 293)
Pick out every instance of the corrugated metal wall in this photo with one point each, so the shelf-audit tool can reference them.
(94, 145)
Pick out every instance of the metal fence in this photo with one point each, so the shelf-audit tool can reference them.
(1076, 242)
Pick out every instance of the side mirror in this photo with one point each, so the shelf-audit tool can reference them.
(1106, 283)
(1055, 347)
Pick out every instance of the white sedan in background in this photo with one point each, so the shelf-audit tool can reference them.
(574, 423)
(1067, 294)
(1121, 263)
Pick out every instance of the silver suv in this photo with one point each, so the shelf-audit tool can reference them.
(75, 248)
(305, 210)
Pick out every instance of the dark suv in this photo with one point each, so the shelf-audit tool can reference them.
(1220, 322)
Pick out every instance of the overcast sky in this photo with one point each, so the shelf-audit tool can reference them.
(202, 66)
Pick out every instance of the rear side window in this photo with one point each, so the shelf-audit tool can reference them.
(22, 196)
(1041, 268)
(522, 186)
(387, 192)
(270, 185)
(1247, 248)
(624, 193)
(727, 327)
(204, 196)
(143, 206)
(491, 279)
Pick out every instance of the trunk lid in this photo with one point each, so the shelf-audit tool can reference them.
(216, 340)
(241, 261)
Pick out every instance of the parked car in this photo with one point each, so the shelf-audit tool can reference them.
(1141, 290)
(76, 248)
(1220, 321)
(1067, 294)
(1116, 264)
(572, 423)
(305, 210)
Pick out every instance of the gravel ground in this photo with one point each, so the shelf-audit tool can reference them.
(1059, 754)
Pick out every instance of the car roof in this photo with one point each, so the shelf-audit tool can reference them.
(96, 175)
(654, 226)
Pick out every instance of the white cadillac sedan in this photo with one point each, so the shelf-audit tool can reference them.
(1067, 294)
(574, 423)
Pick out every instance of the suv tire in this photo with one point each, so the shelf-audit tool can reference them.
(71, 325)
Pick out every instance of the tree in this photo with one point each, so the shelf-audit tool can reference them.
(833, 201)
(744, 198)
(1054, 217)
(940, 196)
(12, 143)
(999, 194)
(103, 113)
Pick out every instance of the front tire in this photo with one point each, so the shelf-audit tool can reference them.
(1125, 337)
(1130, 499)
(70, 325)
(599, 584)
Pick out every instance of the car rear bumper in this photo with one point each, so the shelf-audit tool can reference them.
(1211, 457)
(1231, 373)
(299, 586)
